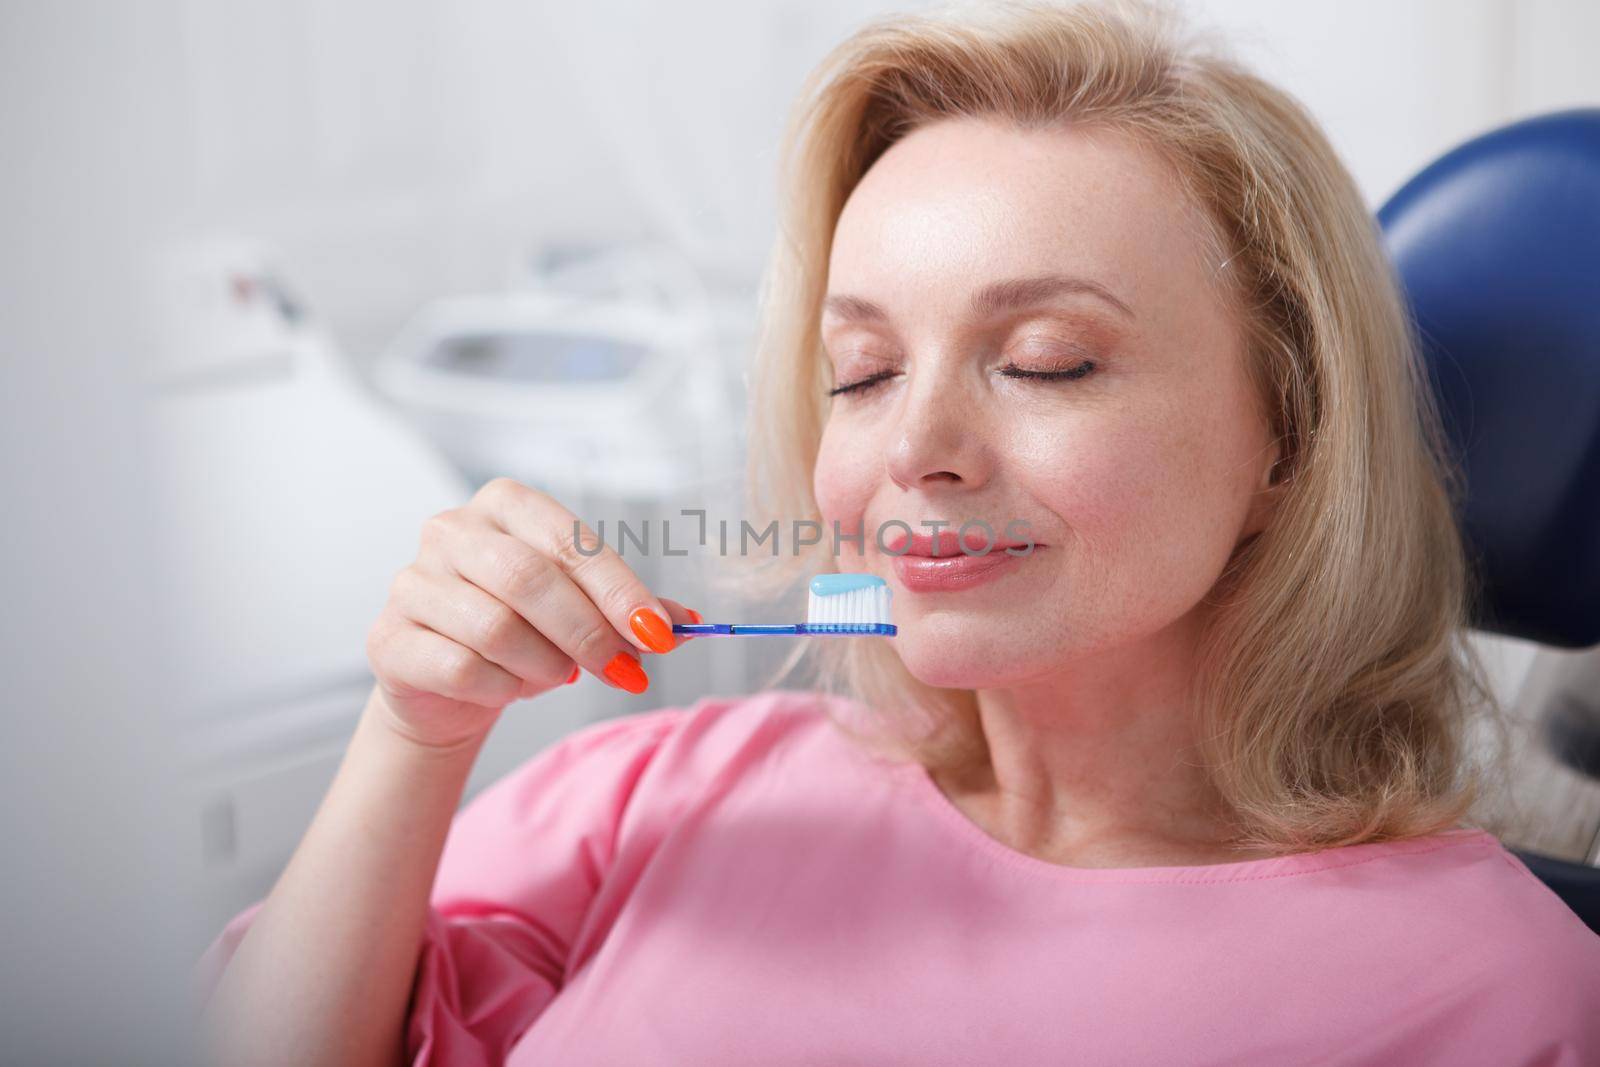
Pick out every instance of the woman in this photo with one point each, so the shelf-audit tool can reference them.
(1185, 783)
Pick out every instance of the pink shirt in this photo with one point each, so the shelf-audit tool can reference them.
(737, 883)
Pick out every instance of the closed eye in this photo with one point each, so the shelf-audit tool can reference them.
(1081, 370)
(1010, 370)
(863, 383)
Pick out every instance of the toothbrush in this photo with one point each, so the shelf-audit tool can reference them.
(839, 605)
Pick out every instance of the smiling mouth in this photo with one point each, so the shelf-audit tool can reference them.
(928, 563)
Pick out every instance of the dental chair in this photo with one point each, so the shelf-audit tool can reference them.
(1497, 244)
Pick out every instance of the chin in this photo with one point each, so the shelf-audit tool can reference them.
(953, 657)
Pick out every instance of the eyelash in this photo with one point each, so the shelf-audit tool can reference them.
(1011, 370)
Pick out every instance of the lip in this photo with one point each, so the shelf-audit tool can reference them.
(926, 563)
(924, 574)
(949, 544)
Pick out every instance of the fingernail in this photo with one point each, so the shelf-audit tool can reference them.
(694, 616)
(573, 677)
(624, 671)
(652, 629)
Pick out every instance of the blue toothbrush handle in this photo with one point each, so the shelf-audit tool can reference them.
(796, 629)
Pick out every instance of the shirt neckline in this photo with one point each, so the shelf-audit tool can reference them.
(932, 798)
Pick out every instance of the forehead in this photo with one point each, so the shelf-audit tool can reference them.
(964, 201)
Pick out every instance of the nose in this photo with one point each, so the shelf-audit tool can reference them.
(938, 436)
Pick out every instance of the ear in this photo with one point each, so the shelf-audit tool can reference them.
(1268, 491)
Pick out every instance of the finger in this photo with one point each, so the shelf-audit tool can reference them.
(459, 610)
(537, 589)
(428, 662)
(595, 567)
(681, 614)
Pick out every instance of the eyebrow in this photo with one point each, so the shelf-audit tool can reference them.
(991, 299)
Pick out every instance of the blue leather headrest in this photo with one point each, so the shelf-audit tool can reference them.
(1498, 250)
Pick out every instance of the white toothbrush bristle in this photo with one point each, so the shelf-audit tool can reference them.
(854, 608)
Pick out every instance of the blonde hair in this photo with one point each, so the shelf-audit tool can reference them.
(1336, 684)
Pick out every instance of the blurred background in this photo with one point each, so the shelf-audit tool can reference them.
(280, 281)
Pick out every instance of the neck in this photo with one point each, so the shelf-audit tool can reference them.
(1097, 763)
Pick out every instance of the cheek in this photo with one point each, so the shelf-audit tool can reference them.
(1116, 482)
(1151, 512)
(1146, 522)
(845, 476)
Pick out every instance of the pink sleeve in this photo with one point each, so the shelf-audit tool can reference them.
(519, 869)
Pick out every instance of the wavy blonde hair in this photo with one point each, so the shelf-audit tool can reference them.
(1336, 684)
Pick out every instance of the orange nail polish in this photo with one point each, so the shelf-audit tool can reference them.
(624, 671)
(573, 677)
(653, 630)
(694, 616)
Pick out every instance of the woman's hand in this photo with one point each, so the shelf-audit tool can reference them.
(502, 604)
(499, 604)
